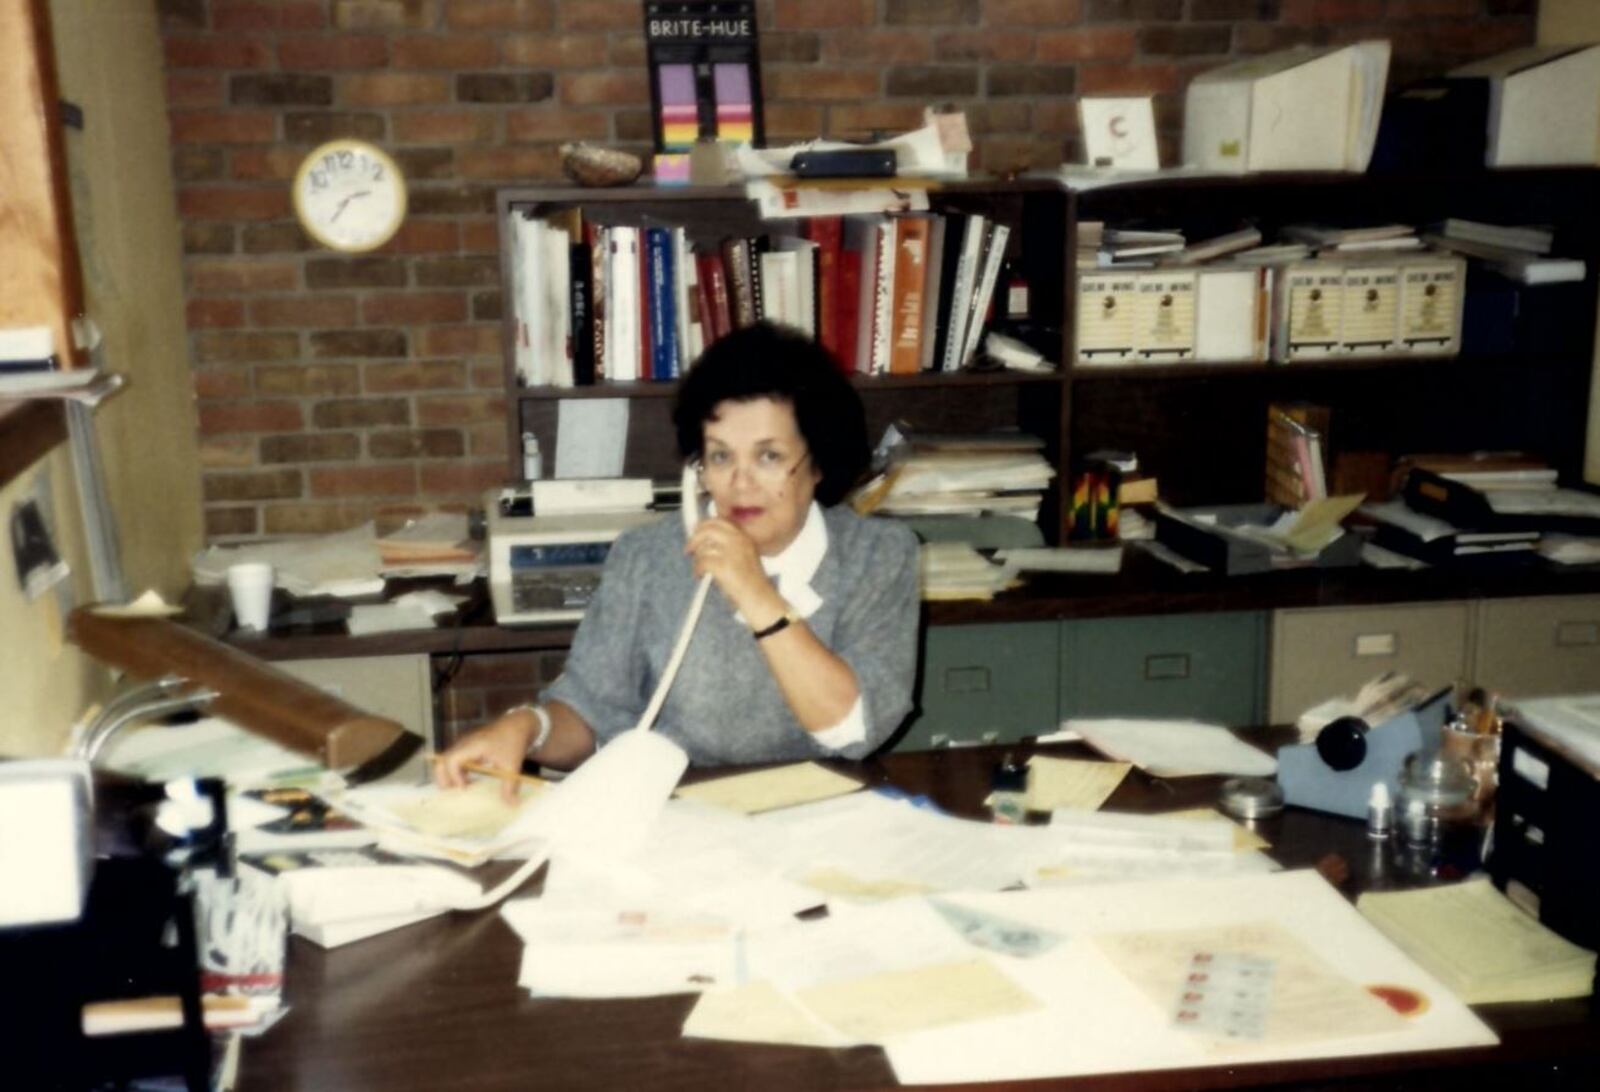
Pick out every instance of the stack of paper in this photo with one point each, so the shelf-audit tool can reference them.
(339, 896)
(1175, 748)
(1477, 943)
(466, 826)
(434, 544)
(344, 564)
(954, 570)
(968, 483)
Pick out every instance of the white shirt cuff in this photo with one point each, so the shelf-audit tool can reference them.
(852, 729)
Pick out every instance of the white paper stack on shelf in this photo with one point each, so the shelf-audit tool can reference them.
(436, 544)
(344, 564)
(968, 483)
(954, 570)
(1519, 253)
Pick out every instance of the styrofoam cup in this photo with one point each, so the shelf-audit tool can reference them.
(250, 585)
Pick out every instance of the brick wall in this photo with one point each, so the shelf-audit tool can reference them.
(332, 389)
(335, 389)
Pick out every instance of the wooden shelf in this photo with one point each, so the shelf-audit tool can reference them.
(1200, 369)
(863, 383)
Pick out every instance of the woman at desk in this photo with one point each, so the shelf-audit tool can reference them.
(807, 643)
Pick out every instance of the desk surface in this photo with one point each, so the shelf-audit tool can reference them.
(1144, 586)
(436, 1005)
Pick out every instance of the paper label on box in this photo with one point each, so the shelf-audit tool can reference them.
(1316, 309)
(1428, 307)
(1164, 326)
(1371, 310)
(1106, 318)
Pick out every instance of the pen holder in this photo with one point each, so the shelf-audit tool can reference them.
(243, 929)
(1093, 515)
(1480, 753)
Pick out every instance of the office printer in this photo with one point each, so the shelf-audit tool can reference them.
(549, 540)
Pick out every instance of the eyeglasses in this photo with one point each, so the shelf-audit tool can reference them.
(768, 467)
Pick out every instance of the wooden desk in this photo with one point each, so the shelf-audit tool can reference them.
(436, 1005)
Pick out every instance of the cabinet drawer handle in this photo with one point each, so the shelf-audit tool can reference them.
(966, 680)
(1576, 634)
(1376, 644)
(1164, 666)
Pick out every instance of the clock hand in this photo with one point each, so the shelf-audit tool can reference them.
(346, 201)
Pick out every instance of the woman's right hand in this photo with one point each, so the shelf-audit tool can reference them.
(500, 745)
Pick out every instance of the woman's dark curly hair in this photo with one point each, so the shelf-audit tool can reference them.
(766, 361)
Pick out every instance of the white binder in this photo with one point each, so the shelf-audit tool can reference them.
(1309, 305)
(1371, 310)
(1164, 325)
(1106, 316)
(1544, 105)
(1232, 305)
(1431, 298)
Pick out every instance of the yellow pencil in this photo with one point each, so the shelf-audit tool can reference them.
(497, 772)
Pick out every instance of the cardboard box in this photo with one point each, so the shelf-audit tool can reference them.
(1294, 110)
(1543, 103)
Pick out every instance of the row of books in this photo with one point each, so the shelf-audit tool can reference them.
(1296, 472)
(1304, 310)
(886, 294)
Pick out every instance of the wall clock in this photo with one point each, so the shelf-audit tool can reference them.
(349, 195)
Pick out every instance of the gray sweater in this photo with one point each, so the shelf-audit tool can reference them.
(725, 707)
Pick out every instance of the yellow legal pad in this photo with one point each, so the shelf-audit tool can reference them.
(768, 790)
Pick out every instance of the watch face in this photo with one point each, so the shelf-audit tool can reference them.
(349, 195)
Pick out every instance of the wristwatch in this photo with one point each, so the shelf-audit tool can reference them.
(784, 621)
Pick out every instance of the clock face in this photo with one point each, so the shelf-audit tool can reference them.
(349, 195)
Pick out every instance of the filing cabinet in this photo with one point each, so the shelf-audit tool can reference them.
(1541, 645)
(1203, 666)
(397, 687)
(1326, 652)
(984, 683)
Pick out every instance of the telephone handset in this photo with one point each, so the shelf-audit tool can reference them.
(609, 802)
(689, 491)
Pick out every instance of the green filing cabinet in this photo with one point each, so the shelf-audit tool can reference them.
(1208, 667)
(984, 684)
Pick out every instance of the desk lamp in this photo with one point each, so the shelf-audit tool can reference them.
(190, 671)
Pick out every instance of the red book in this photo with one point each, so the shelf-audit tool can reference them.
(702, 303)
(849, 308)
(713, 275)
(828, 233)
(910, 275)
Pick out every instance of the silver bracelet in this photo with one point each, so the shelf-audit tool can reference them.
(546, 725)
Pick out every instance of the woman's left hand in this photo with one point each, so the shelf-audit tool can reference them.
(721, 550)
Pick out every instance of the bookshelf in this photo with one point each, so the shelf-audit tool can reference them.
(966, 400)
(1521, 382)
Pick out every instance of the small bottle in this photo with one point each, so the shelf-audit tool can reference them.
(1008, 796)
(1380, 811)
(532, 461)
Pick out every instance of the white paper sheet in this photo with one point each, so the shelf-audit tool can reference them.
(1098, 1022)
(591, 437)
(1175, 748)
